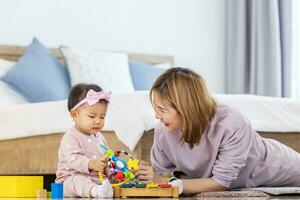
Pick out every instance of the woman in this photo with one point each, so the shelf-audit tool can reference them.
(213, 145)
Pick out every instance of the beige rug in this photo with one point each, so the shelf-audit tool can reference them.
(276, 190)
(234, 195)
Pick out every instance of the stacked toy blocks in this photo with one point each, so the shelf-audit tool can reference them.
(28, 187)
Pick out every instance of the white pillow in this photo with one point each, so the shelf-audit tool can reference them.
(109, 70)
(8, 95)
(4, 66)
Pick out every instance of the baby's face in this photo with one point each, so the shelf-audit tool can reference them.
(90, 119)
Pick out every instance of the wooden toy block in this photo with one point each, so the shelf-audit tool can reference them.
(127, 185)
(140, 185)
(20, 186)
(41, 193)
(152, 185)
(146, 192)
(165, 185)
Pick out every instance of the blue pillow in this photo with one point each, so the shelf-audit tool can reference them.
(143, 75)
(38, 76)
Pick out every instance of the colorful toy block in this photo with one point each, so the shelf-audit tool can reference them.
(127, 185)
(140, 185)
(165, 185)
(48, 194)
(41, 193)
(152, 185)
(20, 186)
(57, 190)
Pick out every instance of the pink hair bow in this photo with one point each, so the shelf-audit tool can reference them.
(93, 97)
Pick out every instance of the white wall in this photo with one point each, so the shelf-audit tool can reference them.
(190, 30)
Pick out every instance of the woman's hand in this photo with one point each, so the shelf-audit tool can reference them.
(147, 174)
(98, 164)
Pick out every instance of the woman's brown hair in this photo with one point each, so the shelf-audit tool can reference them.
(187, 93)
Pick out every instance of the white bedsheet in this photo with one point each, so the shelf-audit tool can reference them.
(266, 113)
(130, 114)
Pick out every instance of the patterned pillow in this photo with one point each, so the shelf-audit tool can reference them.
(109, 70)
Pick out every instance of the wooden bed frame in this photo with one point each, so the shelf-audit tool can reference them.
(38, 154)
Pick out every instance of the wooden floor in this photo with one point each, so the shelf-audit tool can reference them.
(184, 198)
(226, 197)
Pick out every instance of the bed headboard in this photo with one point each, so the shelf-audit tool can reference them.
(10, 52)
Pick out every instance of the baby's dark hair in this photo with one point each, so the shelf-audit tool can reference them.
(79, 91)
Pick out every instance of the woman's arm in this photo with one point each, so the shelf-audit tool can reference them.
(194, 186)
(190, 186)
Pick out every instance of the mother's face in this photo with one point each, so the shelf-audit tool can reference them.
(166, 114)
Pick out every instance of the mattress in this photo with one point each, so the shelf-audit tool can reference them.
(130, 114)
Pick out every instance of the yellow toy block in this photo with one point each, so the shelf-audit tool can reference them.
(20, 186)
(152, 185)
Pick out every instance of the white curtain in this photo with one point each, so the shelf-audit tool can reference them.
(258, 47)
(295, 49)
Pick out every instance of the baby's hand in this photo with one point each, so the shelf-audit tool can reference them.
(107, 171)
(98, 164)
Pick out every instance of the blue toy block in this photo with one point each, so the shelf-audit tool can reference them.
(57, 190)
(127, 185)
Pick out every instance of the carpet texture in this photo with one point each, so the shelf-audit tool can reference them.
(276, 190)
(251, 195)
